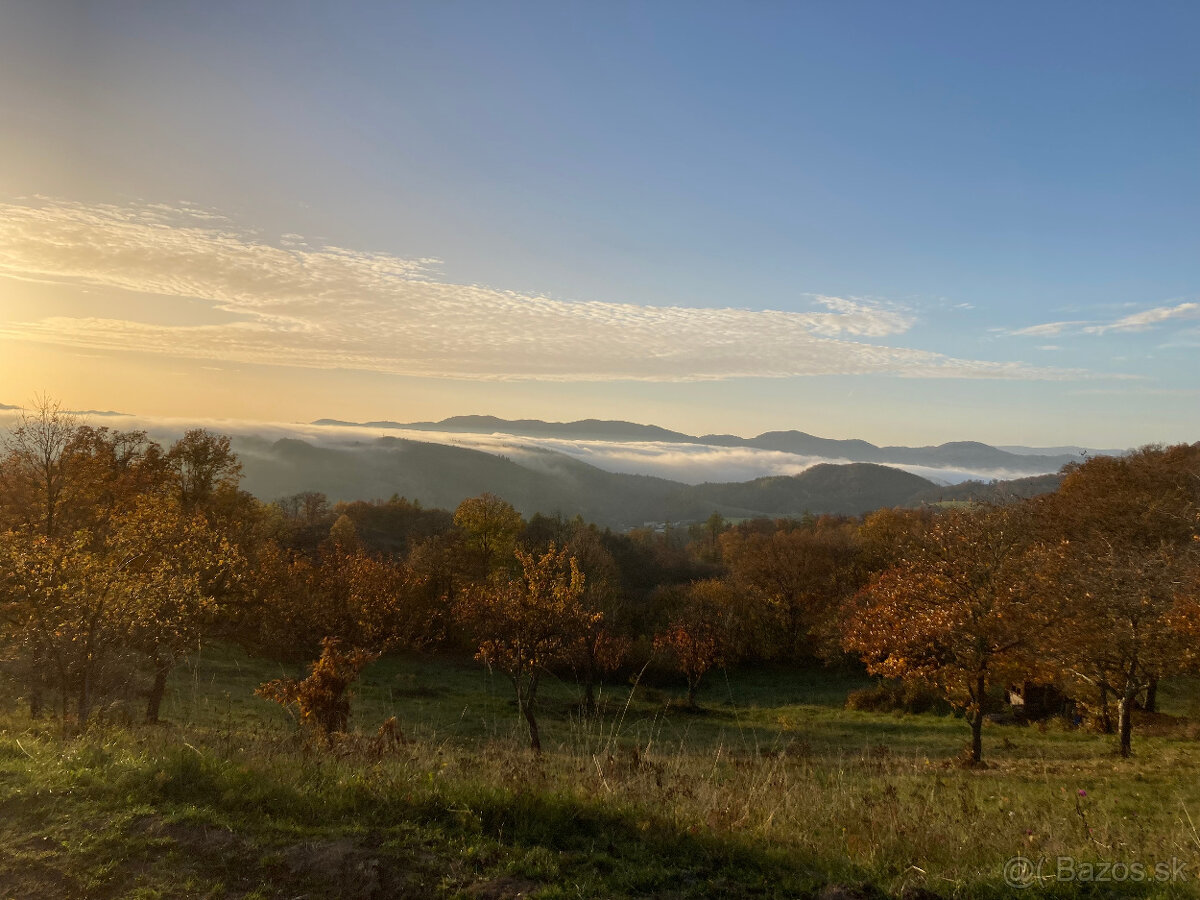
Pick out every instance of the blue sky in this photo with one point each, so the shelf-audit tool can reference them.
(974, 221)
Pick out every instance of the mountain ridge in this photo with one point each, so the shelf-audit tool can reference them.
(951, 453)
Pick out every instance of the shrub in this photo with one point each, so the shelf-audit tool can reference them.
(893, 696)
(323, 697)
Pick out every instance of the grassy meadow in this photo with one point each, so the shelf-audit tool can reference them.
(772, 789)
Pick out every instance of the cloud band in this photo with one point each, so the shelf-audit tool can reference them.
(336, 308)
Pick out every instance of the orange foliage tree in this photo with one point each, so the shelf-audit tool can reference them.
(525, 624)
(90, 603)
(702, 634)
(600, 646)
(802, 572)
(368, 599)
(958, 614)
(1128, 531)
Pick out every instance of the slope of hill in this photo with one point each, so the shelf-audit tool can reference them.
(548, 482)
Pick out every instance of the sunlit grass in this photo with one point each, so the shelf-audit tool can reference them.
(772, 790)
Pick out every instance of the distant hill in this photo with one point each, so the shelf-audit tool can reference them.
(847, 489)
(992, 492)
(548, 482)
(956, 454)
(582, 430)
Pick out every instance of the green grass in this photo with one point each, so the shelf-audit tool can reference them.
(773, 790)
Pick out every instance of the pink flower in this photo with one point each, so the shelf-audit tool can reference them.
(1082, 792)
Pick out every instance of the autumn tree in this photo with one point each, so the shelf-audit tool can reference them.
(285, 612)
(343, 534)
(802, 572)
(701, 634)
(527, 623)
(602, 643)
(306, 519)
(958, 614)
(1128, 536)
(394, 526)
(56, 476)
(887, 536)
(70, 484)
(1185, 618)
(106, 469)
(179, 602)
(90, 603)
(388, 604)
(115, 476)
(440, 566)
(203, 466)
(492, 527)
(106, 563)
(367, 599)
(34, 469)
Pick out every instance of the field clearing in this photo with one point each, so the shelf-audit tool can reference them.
(772, 790)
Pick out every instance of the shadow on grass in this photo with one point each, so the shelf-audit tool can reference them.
(185, 817)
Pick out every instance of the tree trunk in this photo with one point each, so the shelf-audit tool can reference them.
(977, 738)
(589, 698)
(84, 707)
(693, 683)
(525, 702)
(35, 701)
(1125, 723)
(977, 721)
(1151, 696)
(535, 740)
(1106, 726)
(159, 689)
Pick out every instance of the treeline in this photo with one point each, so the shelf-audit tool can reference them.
(119, 556)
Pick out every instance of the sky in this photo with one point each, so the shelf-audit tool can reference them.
(907, 223)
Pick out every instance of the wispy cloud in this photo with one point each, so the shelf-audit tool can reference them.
(1138, 321)
(1147, 318)
(1047, 329)
(333, 307)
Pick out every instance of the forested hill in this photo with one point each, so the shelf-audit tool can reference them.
(548, 482)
